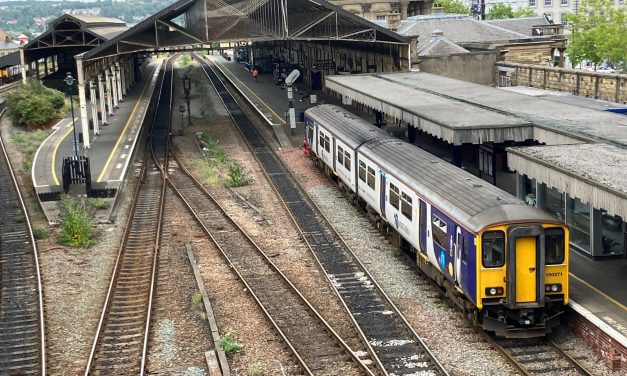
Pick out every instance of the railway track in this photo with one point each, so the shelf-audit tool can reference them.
(121, 340)
(22, 324)
(398, 349)
(537, 356)
(315, 345)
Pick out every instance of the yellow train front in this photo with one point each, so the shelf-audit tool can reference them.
(522, 277)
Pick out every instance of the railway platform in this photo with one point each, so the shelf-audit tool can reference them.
(596, 286)
(110, 152)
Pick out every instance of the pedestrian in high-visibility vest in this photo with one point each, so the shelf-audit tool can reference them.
(255, 74)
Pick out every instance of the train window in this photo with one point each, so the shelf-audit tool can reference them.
(394, 196)
(362, 171)
(321, 142)
(439, 230)
(347, 160)
(406, 205)
(371, 177)
(554, 245)
(340, 155)
(493, 249)
(327, 143)
(464, 249)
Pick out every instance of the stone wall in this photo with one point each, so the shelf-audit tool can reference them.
(605, 86)
(477, 67)
(613, 353)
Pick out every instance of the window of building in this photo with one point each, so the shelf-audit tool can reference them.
(439, 229)
(554, 245)
(612, 236)
(394, 196)
(548, 3)
(362, 171)
(371, 176)
(347, 160)
(493, 249)
(578, 221)
(532, 3)
(564, 3)
(340, 155)
(563, 18)
(406, 205)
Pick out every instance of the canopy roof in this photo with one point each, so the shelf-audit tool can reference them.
(197, 22)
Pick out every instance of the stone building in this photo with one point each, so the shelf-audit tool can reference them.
(377, 10)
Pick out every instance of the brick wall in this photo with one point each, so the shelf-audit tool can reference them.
(612, 352)
(605, 86)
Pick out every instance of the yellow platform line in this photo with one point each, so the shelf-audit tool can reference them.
(56, 147)
(599, 292)
(128, 122)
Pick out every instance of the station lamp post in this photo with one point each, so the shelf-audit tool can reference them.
(69, 80)
(187, 86)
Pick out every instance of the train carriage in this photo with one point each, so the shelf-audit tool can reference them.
(503, 262)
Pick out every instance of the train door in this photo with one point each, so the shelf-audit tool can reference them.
(382, 194)
(525, 265)
(422, 236)
(459, 243)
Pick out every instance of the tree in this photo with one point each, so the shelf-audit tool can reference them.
(33, 103)
(452, 6)
(498, 11)
(598, 33)
(524, 12)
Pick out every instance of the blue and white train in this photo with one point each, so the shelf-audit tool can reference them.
(504, 263)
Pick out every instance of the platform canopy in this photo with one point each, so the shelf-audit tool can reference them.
(204, 22)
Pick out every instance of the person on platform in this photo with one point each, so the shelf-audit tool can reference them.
(255, 74)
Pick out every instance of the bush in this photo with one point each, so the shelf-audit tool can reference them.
(227, 341)
(28, 143)
(237, 176)
(76, 223)
(99, 203)
(33, 103)
(186, 60)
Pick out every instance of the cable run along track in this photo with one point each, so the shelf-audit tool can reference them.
(398, 349)
(121, 340)
(22, 324)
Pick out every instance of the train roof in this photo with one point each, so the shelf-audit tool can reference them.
(346, 126)
(470, 200)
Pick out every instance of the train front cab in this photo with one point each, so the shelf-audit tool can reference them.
(534, 259)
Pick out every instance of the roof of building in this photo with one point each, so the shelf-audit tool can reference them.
(439, 44)
(458, 28)
(565, 97)
(9, 46)
(522, 25)
(594, 173)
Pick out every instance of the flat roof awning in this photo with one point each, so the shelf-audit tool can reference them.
(478, 113)
(454, 121)
(594, 173)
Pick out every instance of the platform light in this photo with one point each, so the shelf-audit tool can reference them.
(69, 80)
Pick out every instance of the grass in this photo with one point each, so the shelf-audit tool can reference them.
(186, 60)
(197, 305)
(227, 341)
(99, 203)
(76, 223)
(255, 369)
(19, 217)
(28, 143)
(40, 233)
(219, 167)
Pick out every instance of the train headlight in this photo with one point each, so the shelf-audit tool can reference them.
(494, 291)
(555, 287)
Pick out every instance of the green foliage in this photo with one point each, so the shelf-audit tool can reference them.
(499, 11)
(40, 233)
(197, 301)
(237, 176)
(76, 223)
(186, 60)
(207, 173)
(33, 103)
(255, 369)
(19, 217)
(99, 203)
(452, 6)
(28, 143)
(227, 341)
(598, 32)
(524, 12)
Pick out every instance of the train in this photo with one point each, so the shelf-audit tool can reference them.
(502, 262)
(9, 74)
